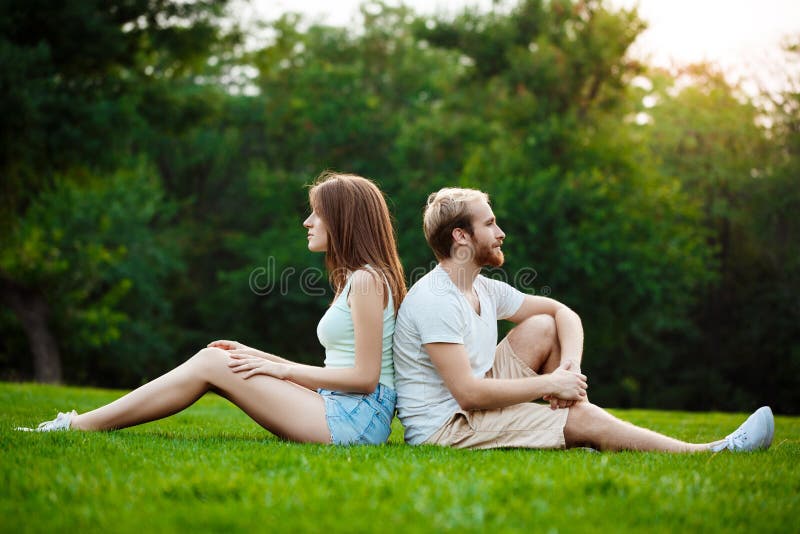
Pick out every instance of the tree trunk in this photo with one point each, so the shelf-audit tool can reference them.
(31, 309)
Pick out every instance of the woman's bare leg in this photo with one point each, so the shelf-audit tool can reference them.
(590, 425)
(284, 408)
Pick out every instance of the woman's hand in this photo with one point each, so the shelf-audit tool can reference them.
(249, 365)
(224, 344)
(234, 347)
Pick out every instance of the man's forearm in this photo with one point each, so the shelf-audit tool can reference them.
(491, 393)
(570, 337)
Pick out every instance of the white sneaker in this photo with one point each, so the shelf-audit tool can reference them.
(755, 433)
(62, 422)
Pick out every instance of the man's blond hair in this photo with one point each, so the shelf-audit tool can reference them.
(446, 210)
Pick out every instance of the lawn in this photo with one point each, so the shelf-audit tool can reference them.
(211, 468)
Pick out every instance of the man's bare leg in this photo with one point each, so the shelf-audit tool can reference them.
(535, 342)
(591, 426)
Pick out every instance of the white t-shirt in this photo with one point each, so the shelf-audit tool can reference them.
(435, 311)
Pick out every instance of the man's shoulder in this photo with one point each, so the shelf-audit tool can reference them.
(494, 283)
(433, 287)
(493, 277)
(431, 282)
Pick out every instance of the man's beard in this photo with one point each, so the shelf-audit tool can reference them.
(487, 255)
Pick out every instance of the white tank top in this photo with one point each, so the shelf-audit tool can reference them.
(335, 332)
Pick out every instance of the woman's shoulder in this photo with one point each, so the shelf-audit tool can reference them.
(366, 277)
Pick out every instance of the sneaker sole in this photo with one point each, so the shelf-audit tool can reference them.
(769, 421)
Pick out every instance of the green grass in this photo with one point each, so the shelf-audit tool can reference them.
(210, 468)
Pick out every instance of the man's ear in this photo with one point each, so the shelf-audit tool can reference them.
(460, 236)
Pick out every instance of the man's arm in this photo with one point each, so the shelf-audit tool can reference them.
(473, 393)
(568, 325)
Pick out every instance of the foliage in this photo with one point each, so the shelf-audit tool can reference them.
(669, 227)
(99, 254)
(76, 80)
(708, 135)
(73, 75)
(576, 195)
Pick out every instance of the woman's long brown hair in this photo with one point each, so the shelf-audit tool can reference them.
(360, 230)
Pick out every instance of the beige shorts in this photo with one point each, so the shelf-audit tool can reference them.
(526, 425)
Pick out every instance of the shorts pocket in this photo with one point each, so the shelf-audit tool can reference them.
(349, 403)
(377, 431)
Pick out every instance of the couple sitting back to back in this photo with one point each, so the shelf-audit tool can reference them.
(432, 353)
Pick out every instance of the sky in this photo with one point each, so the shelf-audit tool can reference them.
(743, 37)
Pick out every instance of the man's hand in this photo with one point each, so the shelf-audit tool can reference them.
(556, 404)
(569, 387)
(254, 365)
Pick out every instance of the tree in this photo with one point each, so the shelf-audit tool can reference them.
(73, 79)
(711, 136)
(97, 262)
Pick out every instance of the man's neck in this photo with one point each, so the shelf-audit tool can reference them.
(462, 274)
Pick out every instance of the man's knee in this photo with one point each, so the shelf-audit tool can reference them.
(585, 417)
(581, 422)
(582, 411)
(544, 324)
(535, 330)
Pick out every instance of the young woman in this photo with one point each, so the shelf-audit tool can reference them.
(349, 401)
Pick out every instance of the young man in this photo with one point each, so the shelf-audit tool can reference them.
(456, 388)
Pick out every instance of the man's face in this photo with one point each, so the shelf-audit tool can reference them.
(487, 237)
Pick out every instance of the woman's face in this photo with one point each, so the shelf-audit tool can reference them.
(317, 233)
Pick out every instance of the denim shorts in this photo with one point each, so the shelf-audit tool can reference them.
(359, 419)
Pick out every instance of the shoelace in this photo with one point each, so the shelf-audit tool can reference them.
(55, 423)
(736, 440)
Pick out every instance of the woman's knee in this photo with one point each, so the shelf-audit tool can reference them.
(211, 358)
